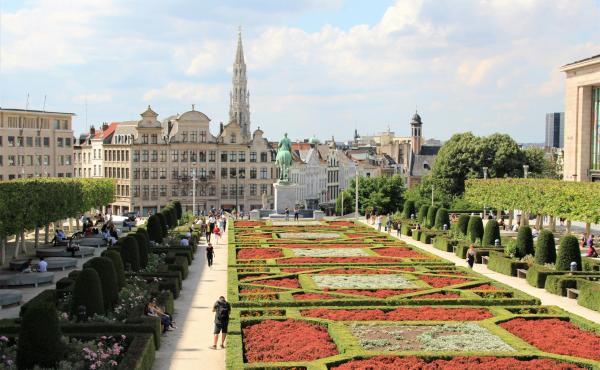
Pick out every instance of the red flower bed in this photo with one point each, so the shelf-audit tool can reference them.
(484, 287)
(255, 236)
(259, 253)
(311, 296)
(283, 283)
(400, 252)
(458, 363)
(324, 245)
(342, 223)
(248, 223)
(402, 314)
(289, 340)
(438, 296)
(257, 290)
(301, 260)
(441, 281)
(556, 336)
(380, 293)
(292, 270)
(359, 271)
(254, 277)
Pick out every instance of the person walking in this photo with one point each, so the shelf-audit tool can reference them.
(379, 220)
(210, 254)
(224, 223)
(222, 309)
(471, 256)
(216, 234)
(211, 226)
(287, 214)
(296, 213)
(388, 224)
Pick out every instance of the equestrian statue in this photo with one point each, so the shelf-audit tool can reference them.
(284, 158)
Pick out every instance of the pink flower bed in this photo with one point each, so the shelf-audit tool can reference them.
(402, 314)
(283, 283)
(400, 252)
(380, 293)
(441, 281)
(324, 245)
(359, 271)
(302, 260)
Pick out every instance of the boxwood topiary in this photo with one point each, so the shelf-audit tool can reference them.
(491, 233)
(545, 248)
(524, 242)
(431, 212)
(163, 223)
(178, 209)
(105, 268)
(88, 293)
(409, 209)
(40, 339)
(130, 252)
(441, 219)
(170, 216)
(422, 217)
(143, 247)
(475, 229)
(115, 257)
(463, 223)
(568, 252)
(154, 229)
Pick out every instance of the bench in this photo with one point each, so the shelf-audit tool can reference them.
(62, 252)
(572, 293)
(54, 263)
(485, 259)
(522, 274)
(10, 298)
(22, 279)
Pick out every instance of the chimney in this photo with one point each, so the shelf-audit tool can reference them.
(92, 130)
(104, 126)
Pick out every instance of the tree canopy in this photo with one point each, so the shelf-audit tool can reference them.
(384, 193)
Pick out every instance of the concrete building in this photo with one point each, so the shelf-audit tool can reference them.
(555, 130)
(582, 120)
(35, 143)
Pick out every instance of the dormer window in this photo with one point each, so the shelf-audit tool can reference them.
(145, 139)
(233, 139)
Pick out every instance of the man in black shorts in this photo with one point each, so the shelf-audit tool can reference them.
(222, 309)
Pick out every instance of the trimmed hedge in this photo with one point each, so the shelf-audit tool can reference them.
(504, 265)
(118, 263)
(475, 229)
(178, 209)
(558, 284)
(87, 292)
(545, 248)
(537, 274)
(409, 209)
(567, 253)
(463, 223)
(40, 339)
(442, 243)
(130, 252)
(589, 294)
(105, 268)
(422, 216)
(406, 230)
(441, 219)
(46, 296)
(164, 226)
(524, 242)
(431, 212)
(143, 247)
(491, 233)
(154, 229)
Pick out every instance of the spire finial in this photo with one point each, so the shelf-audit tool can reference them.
(240, 31)
(193, 106)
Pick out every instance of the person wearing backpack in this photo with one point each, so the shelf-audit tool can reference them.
(222, 309)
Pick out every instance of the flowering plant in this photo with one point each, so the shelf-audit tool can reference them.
(401, 314)
(259, 253)
(441, 281)
(133, 295)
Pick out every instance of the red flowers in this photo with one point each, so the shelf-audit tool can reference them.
(248, 223)
(257, 290)
(380, 293)
(556, 336)
(342, 223)
(441, 281)
(402, 314)
(289, 340)
(400, 252)
(457, 363)
(484, 287)
(259, 253)
(311, 296)
(446, 295)
(283, 283)
(302, 260)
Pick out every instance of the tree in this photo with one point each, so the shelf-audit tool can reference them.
(545, 248)
(40, 339)
(143, 245)
(348, 203)
(163, 224)
(130, 252)
(409, 209)
(441, 219)
(422, 216)
(568, 252)
(178, 209)
(385, 193)
(524, 242)
(475, 229)
(491, 233)
(541, 165)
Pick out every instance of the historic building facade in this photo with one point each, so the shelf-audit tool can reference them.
(35, 143)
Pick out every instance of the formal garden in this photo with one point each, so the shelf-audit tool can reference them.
(340, 295)
(95, 318)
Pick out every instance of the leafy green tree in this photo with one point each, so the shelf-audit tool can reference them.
(40, 339)
(475, 229)
(568, 252)
(385, 193)
(349, 203)
(441, 219)
(545, 248)
(524, 242)
(490, 233)
(541, 165)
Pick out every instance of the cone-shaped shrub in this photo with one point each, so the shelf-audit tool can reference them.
(545, 248)
(142, 247)
(115, 257)
(178, 209)
(87, 292)
(170, 216)
(40, 340)
(441, 219)
(524, 242)
(409, 209)
(163, 223)
(105, 268)
(475, 229)
(491, 233)
(130, 252)
(568, 252)
(431, 212)
(463, 223)
(154, 229)
(422, 217)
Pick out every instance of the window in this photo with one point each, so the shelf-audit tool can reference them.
(145, 156)
(263, 156)
(136, 174)
(155, 174)
(202, 190)
(163, 173)
(68, 142)
(154, 139)
(136, 156)
(202, 156)
(145, 191)
(224, 156)
(233, 139)
(12, 161)
(212, 191)
(136, 190)
(145, 139)
(242, 157)
(202, 173)
(38, 142)
(212, 174)
(174, 155)
(212, 156)
(0, 140)
(224, 173)
(38, 160)
(263, 173)
(252, 156)
(232, 156)
(194, 156)
(29, 141)
(47, 161)
(232, 190)
(184, 136)
(253, 173)
(155, 156)
(46, 142)
(263, 189)
(154, 192)
(175, 174)
(163, 156)
(68, 161)
(253, 190)
(241, 190)
(11, 141)
(57, 125)
(175, 190)
(21, 142)
(233, 173)
(194, 137)
(184, 156)
(202, 136)
(242, 173)
(224, 190)
(163, 190)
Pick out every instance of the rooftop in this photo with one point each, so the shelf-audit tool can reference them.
(34, 111)
(582, 62)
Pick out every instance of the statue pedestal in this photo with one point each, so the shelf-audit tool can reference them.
(255, 214)
(285, 197)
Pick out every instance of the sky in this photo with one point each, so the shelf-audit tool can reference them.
(315, 67)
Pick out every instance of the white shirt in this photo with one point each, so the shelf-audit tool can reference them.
(43, 266)
(211, 220)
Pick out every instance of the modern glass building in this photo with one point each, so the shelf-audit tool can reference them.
(555, 130)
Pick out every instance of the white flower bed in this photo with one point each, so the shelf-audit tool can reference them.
(330, 252)
(363, 282)
(312, 236)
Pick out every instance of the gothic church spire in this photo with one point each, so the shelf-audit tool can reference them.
(239, 98)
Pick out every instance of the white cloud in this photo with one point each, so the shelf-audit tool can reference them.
(93, 98)
(187, 91)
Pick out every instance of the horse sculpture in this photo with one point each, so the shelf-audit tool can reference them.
(284, 158)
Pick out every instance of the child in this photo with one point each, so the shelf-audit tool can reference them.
(217, 234)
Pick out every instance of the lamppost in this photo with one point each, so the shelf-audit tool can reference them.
(525, 170)
(194, 192)
(356, 193)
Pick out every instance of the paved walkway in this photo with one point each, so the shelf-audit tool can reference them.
(187, 346)
(547, 298)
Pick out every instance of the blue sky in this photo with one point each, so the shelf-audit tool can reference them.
(319, 67)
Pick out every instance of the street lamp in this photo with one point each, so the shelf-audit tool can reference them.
(525, 170)
(356, 193)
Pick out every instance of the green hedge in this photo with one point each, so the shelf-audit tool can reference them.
(115, 256)
(475, 229)
(491, 233)
(441, 219)
(164, 225)
(409, 209)
(463, 223)
(130, 252)
(568, 252)
(105, 268)
(416, 234)
(87, 292)
(537, 274)
(589, 294)
(406, 230)
(40, 338)
(504, 265)
(524, 242)
(46, 296)
(140, 354)
(545, 248)
(422, 216)
(154, 228)
(431, 212)
(590, 264)
(442, 243)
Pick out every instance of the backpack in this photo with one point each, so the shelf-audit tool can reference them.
(223, 311)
